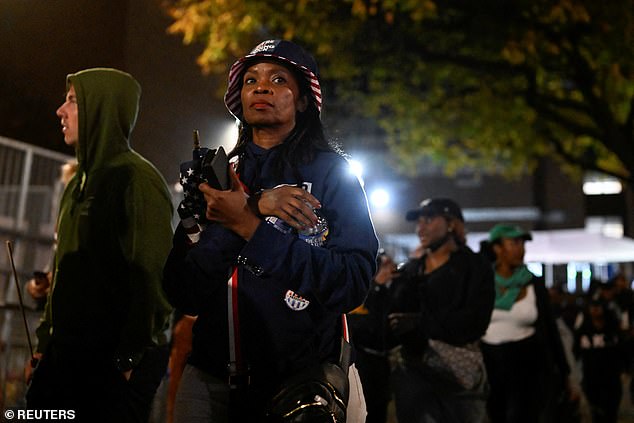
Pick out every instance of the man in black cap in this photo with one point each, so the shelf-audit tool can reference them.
(442, 207)
(442, 306)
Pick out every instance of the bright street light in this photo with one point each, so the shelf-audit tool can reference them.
(356, 168)
(379, 198)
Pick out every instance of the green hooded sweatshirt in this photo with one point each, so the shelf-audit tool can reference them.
(114, 234)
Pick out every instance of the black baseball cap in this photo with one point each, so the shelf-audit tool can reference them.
(283, 51)
(436, 207)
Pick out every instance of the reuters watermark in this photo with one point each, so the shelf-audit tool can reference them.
(39, 414)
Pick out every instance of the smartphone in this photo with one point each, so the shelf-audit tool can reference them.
(215, 169)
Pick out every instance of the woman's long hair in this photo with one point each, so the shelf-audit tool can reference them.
(487, 251)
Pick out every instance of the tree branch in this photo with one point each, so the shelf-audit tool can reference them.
(582, 162)
(565, 103)
(570, 124)
(493, 67)
(629, 122)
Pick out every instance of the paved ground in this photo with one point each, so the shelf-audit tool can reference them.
(626, 411)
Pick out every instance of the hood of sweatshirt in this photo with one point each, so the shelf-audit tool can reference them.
(108, 105)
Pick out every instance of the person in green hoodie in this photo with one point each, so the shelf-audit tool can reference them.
(102, 344)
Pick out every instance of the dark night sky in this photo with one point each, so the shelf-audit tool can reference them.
(43, 40)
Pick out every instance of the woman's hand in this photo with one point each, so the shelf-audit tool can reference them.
(29, 366)
(292, 204)
(230, 208)
(37, 287)
(402, 323)
(387, 271)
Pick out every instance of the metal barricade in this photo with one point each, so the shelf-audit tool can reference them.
(30, 190)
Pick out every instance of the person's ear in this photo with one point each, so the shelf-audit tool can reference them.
(302, 104)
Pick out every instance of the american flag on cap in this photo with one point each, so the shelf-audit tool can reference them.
(282, 50)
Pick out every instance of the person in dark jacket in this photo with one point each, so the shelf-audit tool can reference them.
(441, 307)
(522, 348)
(293, 236)
(373, 340)
(102, 338)
(599, 346)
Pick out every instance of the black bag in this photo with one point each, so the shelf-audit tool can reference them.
(318, 394)
(462, 364)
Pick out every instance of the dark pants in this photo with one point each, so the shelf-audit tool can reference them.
(419, 399)
(517, 376)
(604, 396)
(94, 388)
(374, 371)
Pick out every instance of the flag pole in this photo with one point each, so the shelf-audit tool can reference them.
(17, 285)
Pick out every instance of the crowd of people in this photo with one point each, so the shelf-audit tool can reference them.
(547, 355)
(287, 309)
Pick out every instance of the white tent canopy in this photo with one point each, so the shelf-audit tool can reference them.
(571, 245)
(552, 247)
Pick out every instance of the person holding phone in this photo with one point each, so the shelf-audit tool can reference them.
(441, 306)
(287, 250)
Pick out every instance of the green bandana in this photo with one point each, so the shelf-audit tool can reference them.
(504, 300)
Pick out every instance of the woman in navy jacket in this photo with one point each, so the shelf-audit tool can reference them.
(290, 247)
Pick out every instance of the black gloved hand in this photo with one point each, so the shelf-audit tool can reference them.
(191, 212)
(402, 323)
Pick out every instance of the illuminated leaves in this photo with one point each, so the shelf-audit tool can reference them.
(488, 85)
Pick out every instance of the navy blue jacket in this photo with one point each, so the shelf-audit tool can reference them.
(277, 339)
